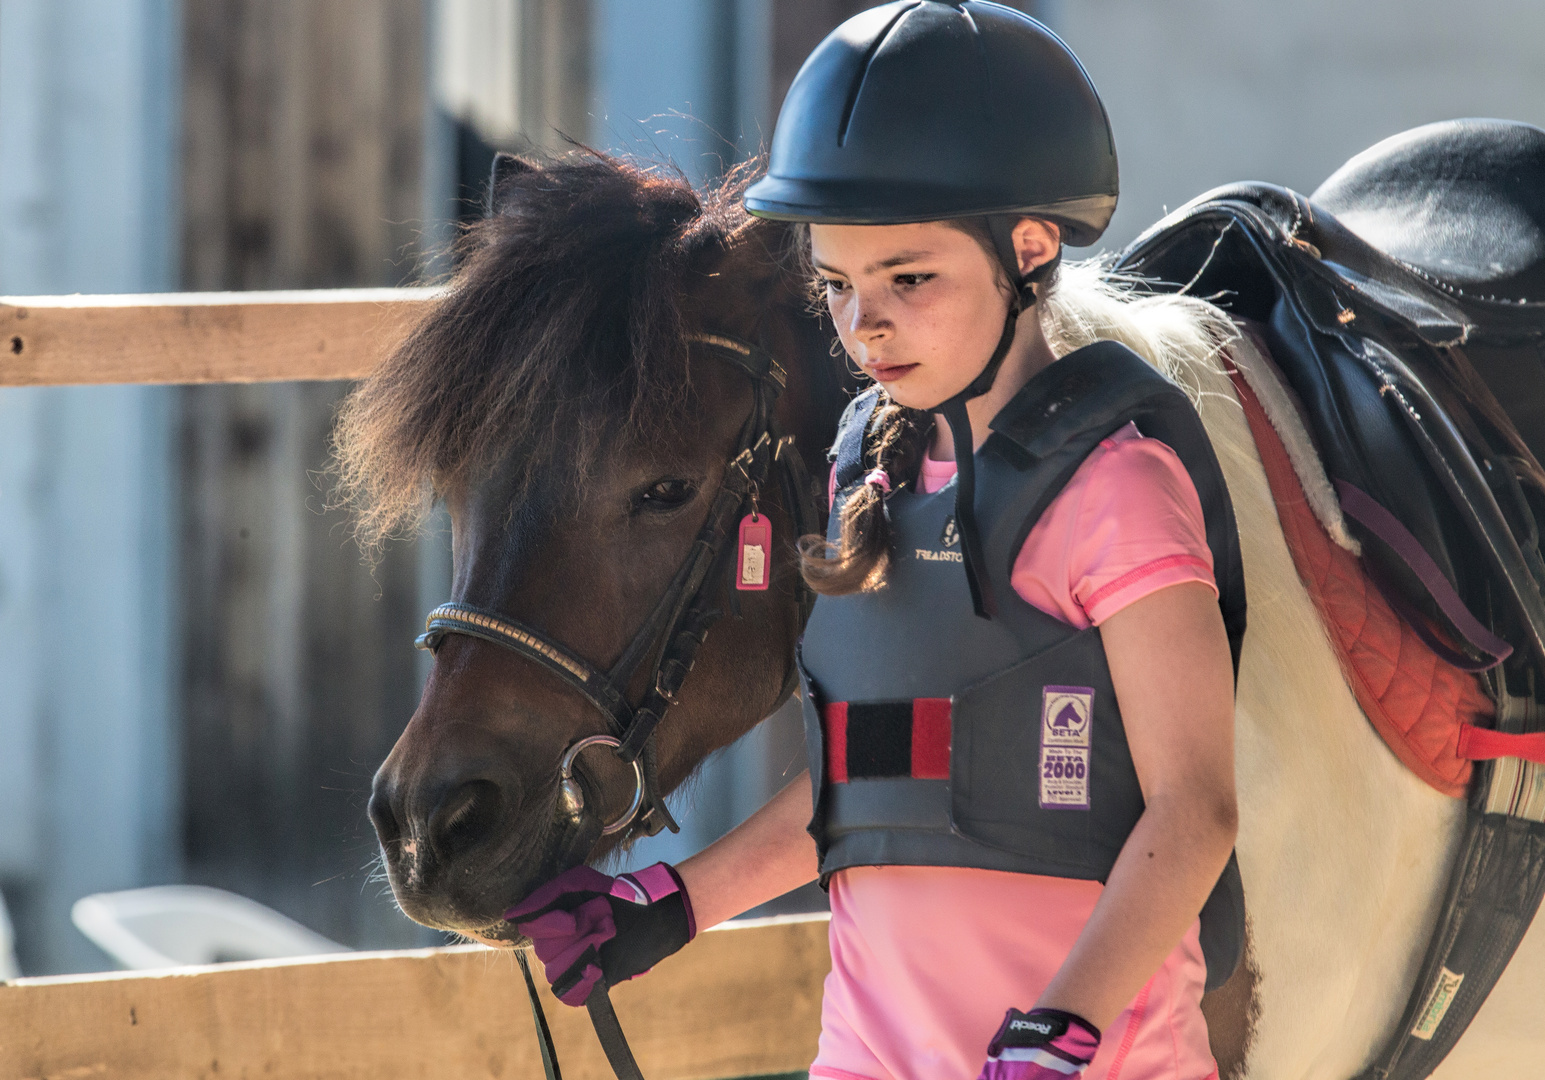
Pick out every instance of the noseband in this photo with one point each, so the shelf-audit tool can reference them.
(675, 628)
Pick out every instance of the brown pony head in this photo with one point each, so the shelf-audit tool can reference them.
(551, 400)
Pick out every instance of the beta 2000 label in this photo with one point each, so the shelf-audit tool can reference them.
(1067, 723)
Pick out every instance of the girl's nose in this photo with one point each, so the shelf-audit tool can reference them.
(868, 318)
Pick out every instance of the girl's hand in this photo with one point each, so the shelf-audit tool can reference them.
(1043, 1044)
(586, 925)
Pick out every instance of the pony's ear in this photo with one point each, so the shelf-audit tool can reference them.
(505, 166)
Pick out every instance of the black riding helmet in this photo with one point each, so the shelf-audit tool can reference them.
(920, 110)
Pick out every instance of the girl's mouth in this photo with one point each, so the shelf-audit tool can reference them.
(889, 372)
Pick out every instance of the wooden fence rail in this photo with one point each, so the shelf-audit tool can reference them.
(740, 1001)
(201, 337)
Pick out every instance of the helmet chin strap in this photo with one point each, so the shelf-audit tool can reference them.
(955, 415)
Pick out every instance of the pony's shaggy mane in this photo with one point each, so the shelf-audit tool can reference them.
(1179, 335)
(561, 327)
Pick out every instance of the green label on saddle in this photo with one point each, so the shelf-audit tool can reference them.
(1438, 1001)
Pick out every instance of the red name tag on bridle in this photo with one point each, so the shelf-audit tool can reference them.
(754, 554)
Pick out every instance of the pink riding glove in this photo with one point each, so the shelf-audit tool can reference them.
(1042, 1044)
(585, 925)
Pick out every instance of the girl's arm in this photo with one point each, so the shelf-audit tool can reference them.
(763, 857)
(1169, 663)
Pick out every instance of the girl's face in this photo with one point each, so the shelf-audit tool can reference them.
(918, 307)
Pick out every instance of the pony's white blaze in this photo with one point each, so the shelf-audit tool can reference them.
(1345, 854)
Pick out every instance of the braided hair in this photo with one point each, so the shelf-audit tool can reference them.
(858, 560)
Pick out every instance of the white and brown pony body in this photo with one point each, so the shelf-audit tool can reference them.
(1344, 852)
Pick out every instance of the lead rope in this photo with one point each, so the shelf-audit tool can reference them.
(544, 1037)
(603, 1017)
(609, 1031)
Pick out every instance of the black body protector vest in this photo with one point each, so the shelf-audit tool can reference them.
(938, 738)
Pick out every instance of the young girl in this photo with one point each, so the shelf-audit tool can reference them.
(1018, 679)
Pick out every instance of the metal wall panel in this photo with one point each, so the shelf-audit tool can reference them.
(87, 712)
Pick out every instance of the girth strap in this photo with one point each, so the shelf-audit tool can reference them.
(1366, 511)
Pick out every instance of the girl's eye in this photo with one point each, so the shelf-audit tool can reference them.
(663, 495)
(912, 279)
(833, 285)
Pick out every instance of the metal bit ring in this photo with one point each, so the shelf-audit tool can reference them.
(571, 798)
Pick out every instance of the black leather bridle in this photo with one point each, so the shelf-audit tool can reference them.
(673, 632)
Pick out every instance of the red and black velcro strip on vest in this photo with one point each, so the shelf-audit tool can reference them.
(877, 739)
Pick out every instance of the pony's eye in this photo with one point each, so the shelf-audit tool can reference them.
(664, 495)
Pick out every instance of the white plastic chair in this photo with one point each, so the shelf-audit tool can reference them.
(173, 925)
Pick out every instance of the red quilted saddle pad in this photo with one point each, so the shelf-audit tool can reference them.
(1415, 700)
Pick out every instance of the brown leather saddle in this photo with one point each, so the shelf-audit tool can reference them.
(1404, 302)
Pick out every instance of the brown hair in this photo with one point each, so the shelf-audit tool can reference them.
(563, 324)
(857, 562)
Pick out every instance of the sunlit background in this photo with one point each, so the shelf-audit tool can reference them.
(197, 675)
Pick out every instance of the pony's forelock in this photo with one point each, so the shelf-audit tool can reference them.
(561, 328)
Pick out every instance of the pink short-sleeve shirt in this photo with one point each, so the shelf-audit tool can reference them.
(925, 960)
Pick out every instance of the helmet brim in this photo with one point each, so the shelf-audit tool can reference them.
(1081, 220)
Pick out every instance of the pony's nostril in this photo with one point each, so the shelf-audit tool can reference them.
(466, 816)
(388, 828)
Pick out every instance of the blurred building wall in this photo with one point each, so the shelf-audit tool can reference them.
(88, 754)
(1207, 92)
(304, 165)
(675, 79)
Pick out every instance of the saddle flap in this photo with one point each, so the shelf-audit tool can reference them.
(1218, 245)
